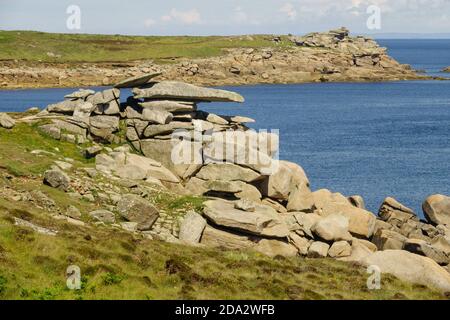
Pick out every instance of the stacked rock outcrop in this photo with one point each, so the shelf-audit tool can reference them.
(253, 199)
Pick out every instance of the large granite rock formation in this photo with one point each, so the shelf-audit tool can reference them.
(254, 200)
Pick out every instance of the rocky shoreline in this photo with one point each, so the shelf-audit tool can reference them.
(160, 139)
(332, 56)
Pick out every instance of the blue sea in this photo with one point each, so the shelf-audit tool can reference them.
(371, 139)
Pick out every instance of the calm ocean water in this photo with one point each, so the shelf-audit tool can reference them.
(372, 139)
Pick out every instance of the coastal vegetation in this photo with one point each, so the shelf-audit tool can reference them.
(57, 47)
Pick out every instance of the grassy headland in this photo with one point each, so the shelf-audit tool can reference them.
(56, 47)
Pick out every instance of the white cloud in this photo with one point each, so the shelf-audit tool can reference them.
(185, 17)
(289, 10)
(166, 18)
(149, 22)
(240, 15)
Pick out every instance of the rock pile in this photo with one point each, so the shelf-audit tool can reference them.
(254, 201)
(363, 52)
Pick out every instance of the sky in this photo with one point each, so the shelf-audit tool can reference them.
(225, 17)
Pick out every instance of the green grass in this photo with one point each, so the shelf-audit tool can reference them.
(118, 265)
(23, 139)
(34, 46)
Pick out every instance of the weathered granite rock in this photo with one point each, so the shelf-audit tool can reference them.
(104, 97)
(274, 204)
(6, 121)
(180, 90)
(83, 111)
(36, 228)
(202, 126)
(104, 216)
(437, 209)
(187, 155)
(302, 244)
(248, 192)
(273, 248)
(360, 251)
(93, 151)
(73, 212)
(219, 151)
(136, 209)
(105, 122)
(340, 249)
(264, 221)
(71, 125)
(104, 127)
(213, 237)
(371, 246)
(395, 213)
(300, 199)
(306, 222)
(245, 205)
(381, 225)
(410, 267)
(223, 188)
(388, 239)
(164, 129)
(361, 222)
(357, 201)
(79, 94)
(280, 184)
(110, 108)
(169, 105)
(240, 119)
(51, 130)
(442, 243)
(446, 69)
(214, 118)
(318, 250)
(332, 228)
(422, 248)
(136, 81)
(227, 172)
(66, 106)
(57, 179)
(192, 227)
(156, 116)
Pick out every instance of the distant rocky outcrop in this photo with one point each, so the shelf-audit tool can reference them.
(253, 201)
(315, 57)
(446, 69)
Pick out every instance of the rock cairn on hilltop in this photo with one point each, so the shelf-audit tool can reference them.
(365, 52)
(253, 199)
